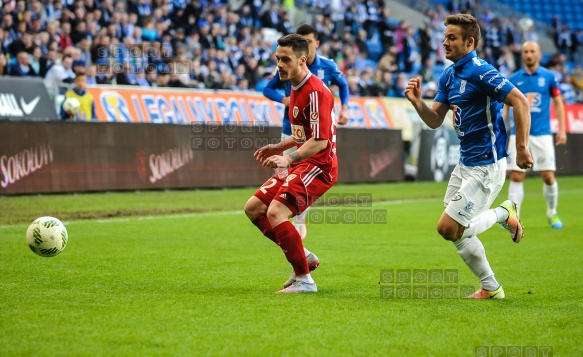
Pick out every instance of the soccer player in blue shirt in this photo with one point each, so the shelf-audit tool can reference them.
(539, 86)
(475, 91)
(328, 71)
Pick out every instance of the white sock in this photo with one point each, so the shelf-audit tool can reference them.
(474, 255)
(481, 223)
(551, 194)
(307, 278)
(307, 252)
(516, 193)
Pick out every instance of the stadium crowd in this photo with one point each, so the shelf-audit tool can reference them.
(215, 44)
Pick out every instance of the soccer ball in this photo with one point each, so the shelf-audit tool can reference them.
(71, 105)
(47, 236)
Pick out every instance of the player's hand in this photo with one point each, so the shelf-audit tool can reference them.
(285, 101)
(276, 161)
(343, 117)
(413, 90)
(523, 158)
(561, 138)
(266, 151)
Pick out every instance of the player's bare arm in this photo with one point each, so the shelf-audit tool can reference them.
(521, 109)
(285, 101)
(560, 110)
(433, 116)
(343, 116)
(308, 149)
(273, 149)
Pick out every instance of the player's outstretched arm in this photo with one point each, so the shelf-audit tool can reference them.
(521, 109)
(339, 79)
(271, 89)
(433, 116)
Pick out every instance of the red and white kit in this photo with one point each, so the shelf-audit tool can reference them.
(311, 113)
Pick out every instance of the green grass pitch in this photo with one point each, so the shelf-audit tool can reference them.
(183, 273)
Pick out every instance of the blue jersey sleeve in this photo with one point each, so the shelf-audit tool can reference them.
(271, 89)
(487, 78)
(339, 79)
(441, 96)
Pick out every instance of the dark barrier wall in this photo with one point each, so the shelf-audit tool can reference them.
(439, 153)
(25, 98)
(76, 157)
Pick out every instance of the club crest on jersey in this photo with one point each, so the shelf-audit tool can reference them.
(295, 112)
(463, 86)
(321, 74)
(288, 179)
(541, 82)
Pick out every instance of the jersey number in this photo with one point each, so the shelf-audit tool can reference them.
(267, 185)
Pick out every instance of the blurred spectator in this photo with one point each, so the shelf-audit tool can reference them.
(22, 66)
(34, 59)
(91, 75)
(3, 65)
(60, 72)
(426, 72)
(104, 73)
(577, 81)
(568, 91)
(430, 90)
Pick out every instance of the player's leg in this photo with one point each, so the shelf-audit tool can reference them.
(256, 207)
(470, 193)
(299, 221)
(516, 186)
(551, 194)
(290, 242)
(303, 186)
(544, 161)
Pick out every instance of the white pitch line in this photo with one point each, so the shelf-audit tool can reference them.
(228, 213)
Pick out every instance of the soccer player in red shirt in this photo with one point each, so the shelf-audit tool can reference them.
(311, 170)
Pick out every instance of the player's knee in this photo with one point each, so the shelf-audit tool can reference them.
(448, 232)
(254, 208)
(277, 213)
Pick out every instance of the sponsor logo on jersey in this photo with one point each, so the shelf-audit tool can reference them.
(314, 116)
(487, 73)
(504, 81)
(535, 101)
(298, 133)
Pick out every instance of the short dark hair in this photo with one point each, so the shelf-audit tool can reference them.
(306, 29)
(468, 24)
(298, 44)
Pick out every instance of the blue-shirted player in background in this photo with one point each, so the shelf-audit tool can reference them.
(328, 71)
(538, 85)
(474, 91)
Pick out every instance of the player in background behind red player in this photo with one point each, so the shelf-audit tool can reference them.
(311, 170)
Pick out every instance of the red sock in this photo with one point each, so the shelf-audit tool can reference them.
(290, 242)
(265, 227)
